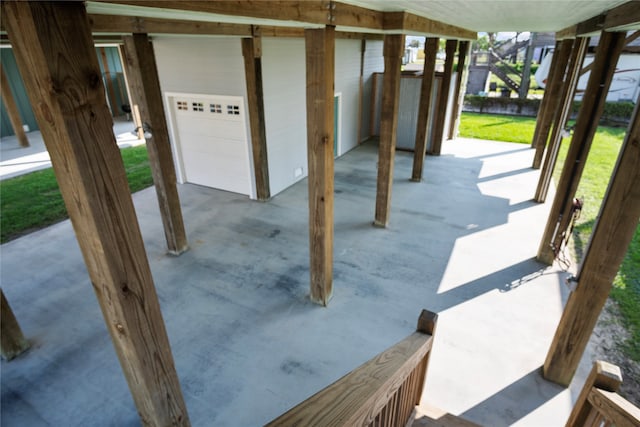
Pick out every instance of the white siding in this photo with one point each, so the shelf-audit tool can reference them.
(285, 111)
(204, 65)
(348, 84)
(201, 65)
(373, 63)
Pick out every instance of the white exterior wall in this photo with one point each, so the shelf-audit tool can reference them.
(210, 65)
(285, 110)
(347, 83)
(201, 65)
(373, 63)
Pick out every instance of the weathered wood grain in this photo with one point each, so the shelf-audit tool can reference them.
(382, 391)
(607, 54)
(610, 239)
(578, 52)
(12, 341)
(393, 50)
(463, 52)
(252, 53)
(443, 98)
(320, 60)
(553, 95)
(146, 96)
(424, 113)
(55, 53)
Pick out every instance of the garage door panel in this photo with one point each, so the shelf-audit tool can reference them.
(212, 141)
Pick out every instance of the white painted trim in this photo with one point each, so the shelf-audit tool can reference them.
(339, 124)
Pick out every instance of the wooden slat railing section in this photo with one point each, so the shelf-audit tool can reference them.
(599, 404)
(383, 392)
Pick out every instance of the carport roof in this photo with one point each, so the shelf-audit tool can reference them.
(448, 18)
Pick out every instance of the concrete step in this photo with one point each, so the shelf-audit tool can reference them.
(429, 416)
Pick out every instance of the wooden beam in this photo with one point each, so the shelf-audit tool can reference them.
(320, 60)
(578, 53)
(12, 341)
(252, 53)
(111, 93)
(443, 98)
(463, 51)
(567, 33)
(410, 23)
(612, 234)
(589, 115)
(142, 74)
(58, 62)
(136, 24)
(393, 51)
(424, 113)
(603, 375)
(312, 12)
(12, 109)
(590, 26)
(625, 16)
(552, 94)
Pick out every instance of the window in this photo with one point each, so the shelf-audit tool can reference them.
(233, 109)
(215, 108)
(182, 105)
(197, 106)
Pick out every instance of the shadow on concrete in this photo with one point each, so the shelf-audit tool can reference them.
(518, 400)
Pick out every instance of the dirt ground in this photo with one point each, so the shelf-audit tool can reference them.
(606, 341)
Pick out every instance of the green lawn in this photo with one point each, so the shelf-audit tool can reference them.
(602, 159)
(33, 201)
(497, 128)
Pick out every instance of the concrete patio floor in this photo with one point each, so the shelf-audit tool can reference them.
(247, 342)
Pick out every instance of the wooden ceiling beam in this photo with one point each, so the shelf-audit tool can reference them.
(135, 24)
(313, 12)
(624, 17)
(590, 26)
(318, 12)
(567, 33)
(409, 23)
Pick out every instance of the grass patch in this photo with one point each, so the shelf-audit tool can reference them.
(497, 127)
(593, 185)
(33, 201)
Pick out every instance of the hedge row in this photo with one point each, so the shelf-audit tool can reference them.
(613, 111)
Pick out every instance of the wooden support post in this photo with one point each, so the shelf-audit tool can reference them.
(604, 376)
(612, 234)
(135, 112)
(12, 109)
(55, 53)
(392, 50)
(546, 100)
(12, 341)
(458, 98)
(593, 101)
(252, 53)
(111, 92)
(145, 91)
(320, 59)
(553, 97)
(443, 98)
(578, 53)
(424, 113)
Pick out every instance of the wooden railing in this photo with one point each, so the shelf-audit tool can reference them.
(382, 392)
(599, 404)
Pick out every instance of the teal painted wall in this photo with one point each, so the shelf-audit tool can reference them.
(19, 93)
(114, 75)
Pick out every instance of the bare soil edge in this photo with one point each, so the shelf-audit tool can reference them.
(606, 344)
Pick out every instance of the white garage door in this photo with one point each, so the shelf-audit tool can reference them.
(212, 142)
